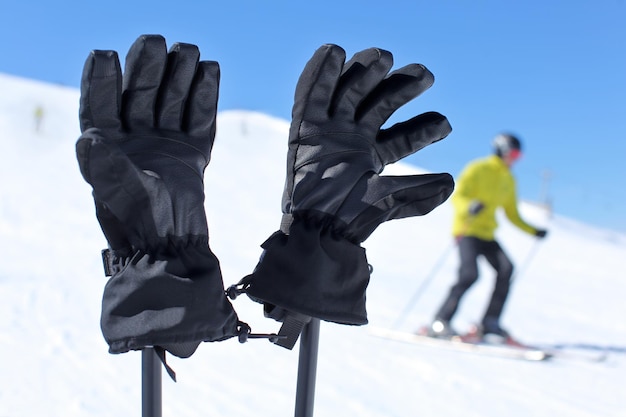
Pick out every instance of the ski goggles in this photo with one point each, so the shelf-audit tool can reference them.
(515, 154)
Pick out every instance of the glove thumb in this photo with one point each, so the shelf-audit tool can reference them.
(396, 197)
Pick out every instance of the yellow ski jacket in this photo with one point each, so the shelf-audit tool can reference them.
(488, 180)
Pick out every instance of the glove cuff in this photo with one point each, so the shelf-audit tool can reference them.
(175, 301)
(312, 272)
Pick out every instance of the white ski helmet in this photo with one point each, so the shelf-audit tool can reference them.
(505, 143)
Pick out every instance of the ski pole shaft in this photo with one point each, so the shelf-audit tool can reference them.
(433, 272)
(307, 369)
(424, 285)
(529, 257)
(150, 383)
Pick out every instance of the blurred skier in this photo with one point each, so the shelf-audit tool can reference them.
(38, 114)
(484, 185)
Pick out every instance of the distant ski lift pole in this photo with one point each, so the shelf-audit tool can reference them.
(307, 369)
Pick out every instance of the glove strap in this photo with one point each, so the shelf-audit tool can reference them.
(292, 322)
(112, 262)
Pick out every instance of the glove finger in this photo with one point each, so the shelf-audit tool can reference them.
(411, 195)
(403, 139)
(144, 69)
(182, 61)
(317, 84)
(101, 91)
(400, 87)
(361, 75)
(201, 110)
(398, 197)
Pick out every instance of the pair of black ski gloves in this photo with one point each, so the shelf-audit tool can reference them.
(146, 140)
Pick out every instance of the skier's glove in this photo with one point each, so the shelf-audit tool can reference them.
(334, 197)
(541, 233)
(146, 140)
(475, 207)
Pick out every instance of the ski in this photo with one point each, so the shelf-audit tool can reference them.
(517, 351)
(473, 336)
(574, 354)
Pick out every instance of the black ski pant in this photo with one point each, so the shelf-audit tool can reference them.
(470, 248)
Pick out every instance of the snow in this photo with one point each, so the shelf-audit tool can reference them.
(569, 289)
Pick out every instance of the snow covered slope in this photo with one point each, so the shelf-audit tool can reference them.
(570, 289)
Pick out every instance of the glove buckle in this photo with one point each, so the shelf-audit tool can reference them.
(112, 262)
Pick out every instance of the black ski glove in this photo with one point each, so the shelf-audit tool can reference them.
(146, 140)
(475, 207)
(334, 197)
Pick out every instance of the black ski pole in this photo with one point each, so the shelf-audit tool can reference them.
(431, 275)
(424, 285)
(529, 257)
(307, 369)
(150, 383)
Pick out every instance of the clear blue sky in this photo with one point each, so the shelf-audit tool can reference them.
(553, 72)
